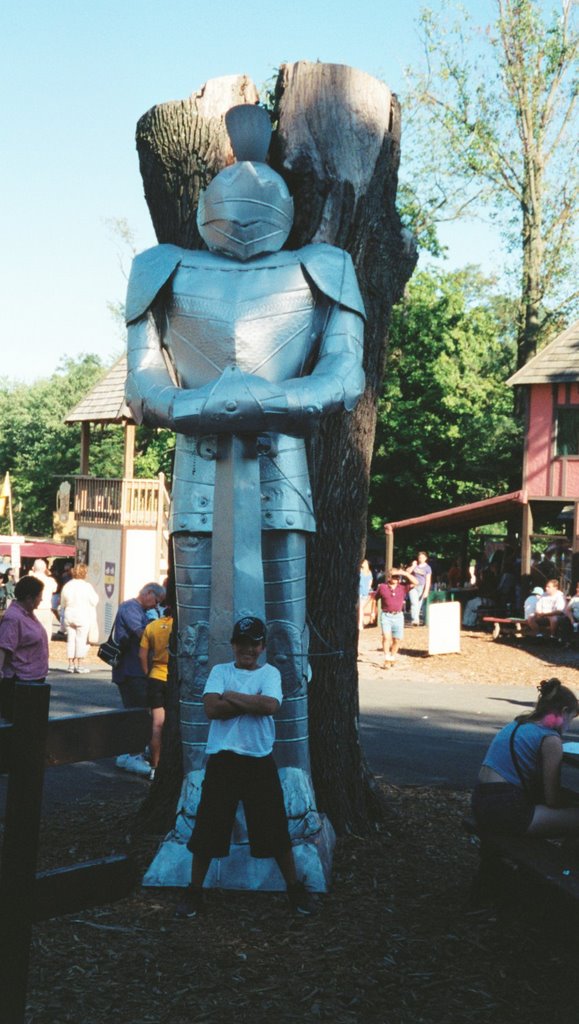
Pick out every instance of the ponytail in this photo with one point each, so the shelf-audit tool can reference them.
(553, 698)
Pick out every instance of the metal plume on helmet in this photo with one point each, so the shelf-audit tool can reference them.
(246, 210)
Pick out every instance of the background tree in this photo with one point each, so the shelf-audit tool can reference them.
(446, 431)
(38, 449)
(337, 145)
(495, 132)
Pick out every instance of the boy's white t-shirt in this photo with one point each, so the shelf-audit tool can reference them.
(250, 735)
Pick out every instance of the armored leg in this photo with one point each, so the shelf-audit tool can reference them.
(284, 568)
(192, 554)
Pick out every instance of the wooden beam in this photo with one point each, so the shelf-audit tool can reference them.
(6, 729)
(20, 846)
(88, 884)
(90, 737)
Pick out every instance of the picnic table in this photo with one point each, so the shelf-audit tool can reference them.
(508, 627)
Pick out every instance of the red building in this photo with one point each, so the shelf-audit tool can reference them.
(549, 493)
(551, 455)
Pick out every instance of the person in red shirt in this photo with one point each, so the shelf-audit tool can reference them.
(392, 597)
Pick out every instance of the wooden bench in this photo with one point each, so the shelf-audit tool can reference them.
(27, 747)
(549, 864)
(511, 627)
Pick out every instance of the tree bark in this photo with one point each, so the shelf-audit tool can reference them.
(182, 145)
(337, 144)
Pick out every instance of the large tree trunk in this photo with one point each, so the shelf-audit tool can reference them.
(337, 145)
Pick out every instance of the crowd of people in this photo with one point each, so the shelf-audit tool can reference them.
(518, 789)
(492, 588)
(40, 602)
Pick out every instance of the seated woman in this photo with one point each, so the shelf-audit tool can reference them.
(518, 791)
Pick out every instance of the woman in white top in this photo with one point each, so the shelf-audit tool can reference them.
(78, 600)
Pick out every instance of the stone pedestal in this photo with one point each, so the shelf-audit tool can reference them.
(311, 833)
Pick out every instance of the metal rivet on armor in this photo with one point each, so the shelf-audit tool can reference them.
(203, 502)
(207, 448)
(290, 520)
(231, 406)
(268, 515)
(203, 519)
(183, 523)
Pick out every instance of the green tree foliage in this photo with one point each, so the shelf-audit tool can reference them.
(35, 445)
(493, 131)
(446, 431)
(39, 450)
(154, 450)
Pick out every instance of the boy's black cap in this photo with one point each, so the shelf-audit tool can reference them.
(249, 628)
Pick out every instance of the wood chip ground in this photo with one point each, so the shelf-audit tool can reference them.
(395, 941)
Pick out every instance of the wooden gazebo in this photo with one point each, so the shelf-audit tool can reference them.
(123, 523)
(105, 404)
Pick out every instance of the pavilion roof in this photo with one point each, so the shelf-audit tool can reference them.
(105, 402)
(477, 513)
(557, 362)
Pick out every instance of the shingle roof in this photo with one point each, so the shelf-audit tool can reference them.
(558, 361)
(105, 402)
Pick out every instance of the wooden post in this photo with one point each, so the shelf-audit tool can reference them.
(160, 520)
(575, 549)
(526, 531)
(129, 452)
(389, 554)
(20, 848)
(464, 555)
(84, 447)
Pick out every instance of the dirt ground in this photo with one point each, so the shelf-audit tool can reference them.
(396, 941)
(481, 659)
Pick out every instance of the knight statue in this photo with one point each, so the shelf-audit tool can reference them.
(240, 350)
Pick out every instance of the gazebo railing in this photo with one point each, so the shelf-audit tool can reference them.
(108, 501)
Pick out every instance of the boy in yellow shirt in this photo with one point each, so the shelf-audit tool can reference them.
(154, 658)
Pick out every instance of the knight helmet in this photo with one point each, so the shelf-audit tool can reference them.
(246, 210)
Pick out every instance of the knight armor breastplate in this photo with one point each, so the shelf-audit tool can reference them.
(265, 317)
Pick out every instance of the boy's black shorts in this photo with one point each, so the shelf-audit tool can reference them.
(156, 693)
(230, 778)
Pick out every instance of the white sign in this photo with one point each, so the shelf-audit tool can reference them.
(444, 627)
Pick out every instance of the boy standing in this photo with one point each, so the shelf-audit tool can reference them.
(240, 699)
(154, 658)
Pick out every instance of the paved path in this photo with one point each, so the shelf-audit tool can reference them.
(419, 731)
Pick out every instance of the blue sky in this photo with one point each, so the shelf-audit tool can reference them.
(76, 76)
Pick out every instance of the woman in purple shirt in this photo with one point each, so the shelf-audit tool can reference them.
(23, 643)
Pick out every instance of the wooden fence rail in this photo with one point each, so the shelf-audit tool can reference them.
(27, 747)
